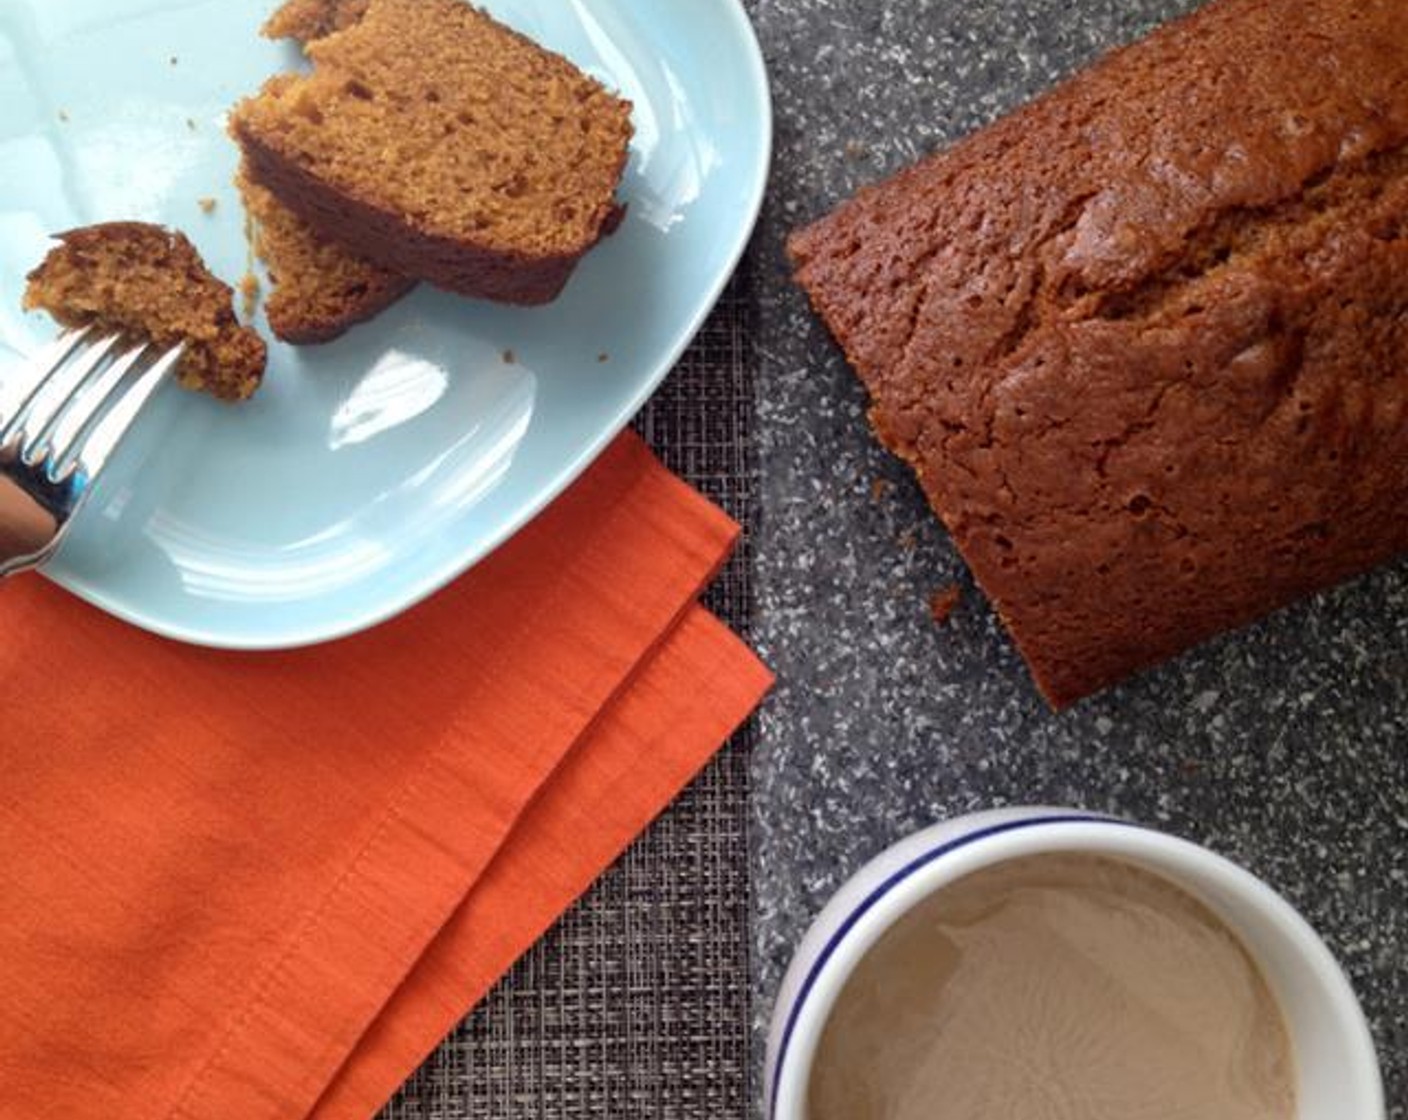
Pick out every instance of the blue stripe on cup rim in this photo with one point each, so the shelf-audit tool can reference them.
(868, 903)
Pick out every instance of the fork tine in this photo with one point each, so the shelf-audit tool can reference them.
(56, 385)
(60, 448)
(16, 391)
(94, 452)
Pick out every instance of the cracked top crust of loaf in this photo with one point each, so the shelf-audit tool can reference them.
(1145, 340)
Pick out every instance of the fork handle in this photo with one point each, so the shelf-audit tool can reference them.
(27, 530)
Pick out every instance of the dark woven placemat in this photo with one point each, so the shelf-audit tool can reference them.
(636, 1003)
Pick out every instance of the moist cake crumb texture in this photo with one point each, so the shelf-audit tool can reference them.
(318, 289)
(149, 283)
(442, 145)
(307, 20)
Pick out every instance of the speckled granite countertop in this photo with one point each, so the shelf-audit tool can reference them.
(1284, 747)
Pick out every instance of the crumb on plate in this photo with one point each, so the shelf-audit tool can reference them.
(249, 295)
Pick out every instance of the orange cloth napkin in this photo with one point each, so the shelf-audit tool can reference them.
(263, 886)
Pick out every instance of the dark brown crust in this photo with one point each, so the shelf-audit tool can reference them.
(1145, 341)
(384, 236)
(614, 217)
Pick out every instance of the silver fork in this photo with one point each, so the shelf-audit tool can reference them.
(60, 419)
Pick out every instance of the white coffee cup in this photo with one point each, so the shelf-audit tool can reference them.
(1337, 1068)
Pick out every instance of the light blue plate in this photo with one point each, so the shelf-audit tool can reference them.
(368, 472)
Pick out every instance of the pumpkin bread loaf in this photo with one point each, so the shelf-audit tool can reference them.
(149, 283)
(444, 146)
(1145, 341)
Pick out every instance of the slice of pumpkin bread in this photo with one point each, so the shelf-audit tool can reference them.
(319, 288)
(444, 146)
(149, 283)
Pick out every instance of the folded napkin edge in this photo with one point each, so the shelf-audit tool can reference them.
(680, 729)
(237, 1067)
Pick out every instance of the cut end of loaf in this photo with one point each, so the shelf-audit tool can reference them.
(148, 283)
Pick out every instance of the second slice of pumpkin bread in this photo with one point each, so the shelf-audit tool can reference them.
(444, 146)
(319, 288)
